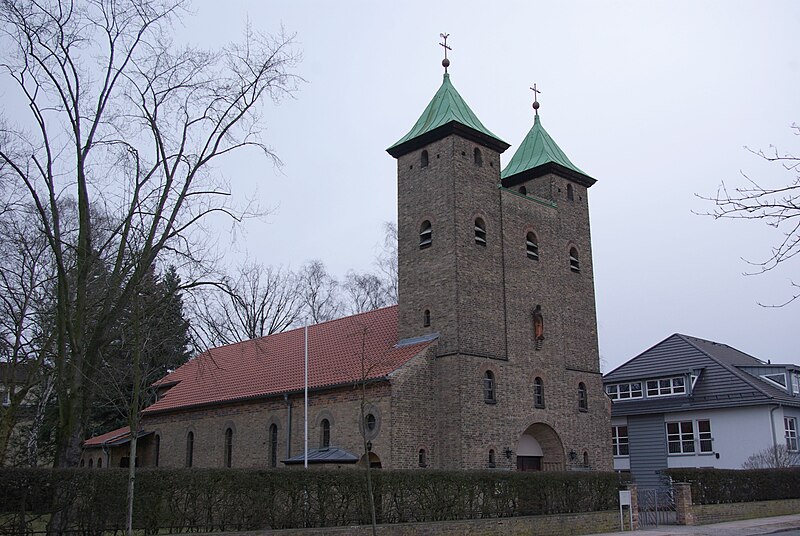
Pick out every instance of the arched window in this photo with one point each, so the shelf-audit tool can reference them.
(583, 397)
(273, 445)
(574, 263)
(426, 318)
(491, 458)
(325, 429)
(538, 393)
(523, 190)
(157, 449)
(480, 232)
(228, 447)
(425, 235)
(189, 449)
(423, 458)
(532, 246)
(99, 463)
(423, 159)
(488, 388)
(585, 459)
(570, 193)
(478, 157)
(83, 462)
(91, 463)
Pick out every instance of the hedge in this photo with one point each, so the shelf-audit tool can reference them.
(715, 486)
(188, 500)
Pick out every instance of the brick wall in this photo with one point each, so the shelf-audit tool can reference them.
(719, 513)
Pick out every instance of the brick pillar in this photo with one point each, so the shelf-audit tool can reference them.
(634, 506)
(683, 503)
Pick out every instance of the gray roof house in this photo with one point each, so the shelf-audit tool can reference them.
(689, 402)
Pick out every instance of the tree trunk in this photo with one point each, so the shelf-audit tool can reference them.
(131, 483)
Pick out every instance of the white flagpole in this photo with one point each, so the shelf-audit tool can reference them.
(305, 418)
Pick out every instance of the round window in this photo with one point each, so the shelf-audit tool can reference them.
(370, 422)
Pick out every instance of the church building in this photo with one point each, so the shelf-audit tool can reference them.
(490, 359)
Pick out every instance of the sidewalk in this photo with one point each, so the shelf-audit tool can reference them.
(763, 525)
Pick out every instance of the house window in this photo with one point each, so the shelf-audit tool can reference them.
(619, 440)
(538, 393)
(189, 449)
(680, 437)
(570, 193)
(273, 445)
(325, 428)
(423, 159)
(624, 391)
(532, 246)
(488, 388)
(426, 318)
(491, 458)
(790, 427)
(228, 447)
(666, 386)
(574, 263)
(423, 458)
(478, 157)
(157, 450)
(583, 397)
(480, 232)
(425, 235)
(704, 436)
(523, 190)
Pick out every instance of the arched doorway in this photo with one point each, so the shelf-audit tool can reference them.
(374, 461)
(540, 449)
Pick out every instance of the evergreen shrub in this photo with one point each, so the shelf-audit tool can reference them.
(716, 486)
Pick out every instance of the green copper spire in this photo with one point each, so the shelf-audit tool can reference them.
(538, 149)
(446, 113)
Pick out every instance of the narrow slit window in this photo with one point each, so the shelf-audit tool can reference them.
(189, 449)
(425, 235)
(478, 157)
(583, 397)
(532, 246)
(423, 159)
(538, 393)
(228, 447)
(157, 450)
(570, 193)
(273, 445)
(574, 262)
(480, 232)
(491, 458)
(489, 395)
(325, 440)
(423, 458)
(426, 318)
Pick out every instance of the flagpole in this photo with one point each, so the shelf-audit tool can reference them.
(305, 404)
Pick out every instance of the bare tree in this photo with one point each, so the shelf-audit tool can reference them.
(777, 206)
(365, 292)
(319, 291)
(772, 457)
(128, 125)
(387, 262)
(260, 300)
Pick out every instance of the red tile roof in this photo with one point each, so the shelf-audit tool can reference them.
(114, 435)
(274, 364)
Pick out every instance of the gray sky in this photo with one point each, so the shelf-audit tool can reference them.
(654, 99)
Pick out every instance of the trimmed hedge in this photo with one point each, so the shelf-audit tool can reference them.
(93, 501)
(716, 486)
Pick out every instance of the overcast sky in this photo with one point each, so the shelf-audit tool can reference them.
(656, 100)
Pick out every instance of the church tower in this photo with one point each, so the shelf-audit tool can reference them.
(498, 265)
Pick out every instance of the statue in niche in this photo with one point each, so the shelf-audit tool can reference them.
(538, 326)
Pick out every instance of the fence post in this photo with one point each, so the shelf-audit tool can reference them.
(683, 503)
(634, 506)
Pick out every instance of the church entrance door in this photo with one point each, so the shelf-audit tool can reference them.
(540, 449)
(529, 463)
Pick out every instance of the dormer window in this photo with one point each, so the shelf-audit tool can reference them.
(425, 235)
(480, 232)
(624, 391)
(666, 386)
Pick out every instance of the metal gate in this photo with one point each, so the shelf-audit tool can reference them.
(656, 507)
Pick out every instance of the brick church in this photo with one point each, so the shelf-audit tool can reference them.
(490, 359)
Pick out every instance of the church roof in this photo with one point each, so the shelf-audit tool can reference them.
(273, 365)
(447, 113)
(539, 154)
(114, 438)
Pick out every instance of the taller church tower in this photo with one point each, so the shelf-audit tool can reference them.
(499, 266)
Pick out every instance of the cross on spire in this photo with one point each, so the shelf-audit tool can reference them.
(535, 99)
(445, 61)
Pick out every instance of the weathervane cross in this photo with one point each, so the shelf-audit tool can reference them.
(535, 99)
(445, 61)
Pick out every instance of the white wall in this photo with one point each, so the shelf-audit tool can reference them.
(736, 433)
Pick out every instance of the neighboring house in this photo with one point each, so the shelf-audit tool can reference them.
(489, 360)
(689, 402)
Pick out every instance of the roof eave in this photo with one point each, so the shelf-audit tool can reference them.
(544, 169)
(452, 127)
